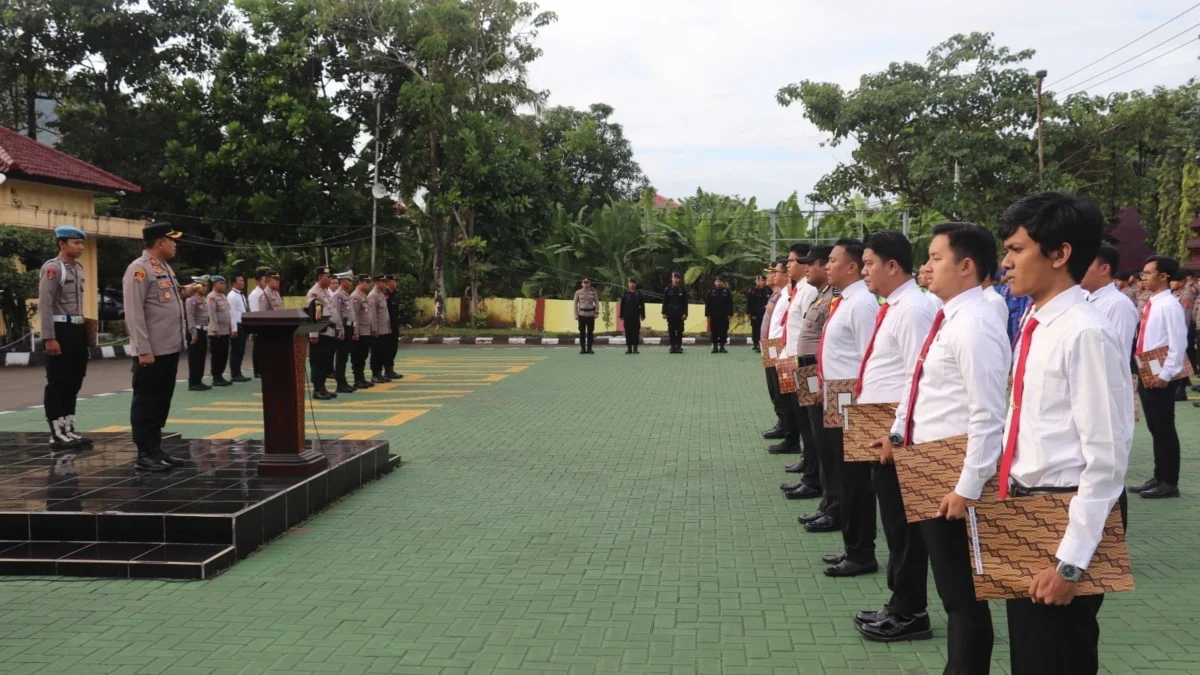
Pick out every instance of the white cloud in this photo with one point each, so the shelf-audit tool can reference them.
(694, 81)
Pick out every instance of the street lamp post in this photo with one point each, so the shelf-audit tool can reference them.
(1041, 76)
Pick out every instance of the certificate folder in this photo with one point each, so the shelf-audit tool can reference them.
(928, 472)
(865, 424)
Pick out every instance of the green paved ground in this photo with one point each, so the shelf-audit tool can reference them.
(602, 514)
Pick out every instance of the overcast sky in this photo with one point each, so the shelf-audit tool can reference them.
(694, 81)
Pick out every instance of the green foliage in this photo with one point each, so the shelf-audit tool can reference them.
(22, 253)
(406, 298)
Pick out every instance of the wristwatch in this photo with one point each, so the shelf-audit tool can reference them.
(1069, 572)
(896, 440)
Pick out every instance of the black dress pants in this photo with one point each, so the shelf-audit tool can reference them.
(254, 359)
(781, 414)
(65, 372)
(320, 362)
(908, 561)
(830, 450)
(358, 356)
(237, 351)
(219, 346)
(756, 329)
(1158, 407)
(197, 355)
(379, 347)
(343, 350)
(633, 333)
(969, 634)
(153, 387)
(720, 331)
(587, 331)
(393, 346)
(675, 330)
(858, 511)
(814, 456)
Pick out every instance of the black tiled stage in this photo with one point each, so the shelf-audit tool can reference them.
(91, 514)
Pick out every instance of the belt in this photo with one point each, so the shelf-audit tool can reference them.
(60, 318)
(1022, 491)
(204, 327)
(347, 323)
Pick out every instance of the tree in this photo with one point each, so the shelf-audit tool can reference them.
(22, 252)
(588, 160)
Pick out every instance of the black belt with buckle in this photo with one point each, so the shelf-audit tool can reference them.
(1022, 491)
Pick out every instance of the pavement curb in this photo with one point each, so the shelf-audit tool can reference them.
(550, 341)
(22, 359)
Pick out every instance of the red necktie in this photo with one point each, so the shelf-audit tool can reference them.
(1010, 446)
(862, 368)
(912, 390)
(1141, 343)
(821, 342)
(788, 310)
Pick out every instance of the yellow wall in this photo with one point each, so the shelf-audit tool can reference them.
(560, 316)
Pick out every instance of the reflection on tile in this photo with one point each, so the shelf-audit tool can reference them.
(105, 552)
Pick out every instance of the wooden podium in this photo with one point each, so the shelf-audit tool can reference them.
(281, 344)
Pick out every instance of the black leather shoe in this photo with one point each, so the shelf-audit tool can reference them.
(795, 467)
(362, 384)
(258, 376)
(776, 434)
(239, 378)
(151, 463)
(221, 382)
(897, 628)
(849, 568)
(784, 449)
(805, 491)
(170, 461)
(392, 375)
(833, 559)
(378, 379)
(788, 487)
(823, 524)
(635, 350)
(1148, 485)
(810, 517)
(322, 396)
(345, 389)
(871, 616)
(1161, 491)
(723, 350)
(628, 351)
(198, 387)
(714, 349)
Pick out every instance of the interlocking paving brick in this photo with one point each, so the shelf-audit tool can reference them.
(584, 514)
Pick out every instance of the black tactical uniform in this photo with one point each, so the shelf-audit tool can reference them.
(718, 307)
(675, 308)
(756, 306)
(633, 312)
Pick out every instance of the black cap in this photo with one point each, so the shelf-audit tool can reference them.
(380, 277)
(324, 270)
(1181, 274)
(364, 277)
(817, 253)
(390, 277)
(632, 280)
(158, 230)
(676, 275)
(719, 278)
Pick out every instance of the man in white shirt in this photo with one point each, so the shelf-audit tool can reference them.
(1104, 295)
(1164, 324)
(799, 295)
(901, 328)
(239, 304)
(1070, 423)
(840, 353)
(958, 387)
(262, 279)
(777, 281)
(995, 300)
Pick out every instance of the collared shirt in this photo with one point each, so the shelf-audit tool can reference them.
(962, 388)
(814, 321)
(220, 321)
(999, 305)
(257, 304)
(331, 309)
(805, 294)
(897, 345)
(775, 327)
(847, 332)
(197, 313)
(238, 305)
(765, 329)
(1120, 311)
(364, 316)
(60, 291)
(379, 314)
(154, 312)
(1167, 327)
(1076, 416)
(937, 302)
(1017, 305)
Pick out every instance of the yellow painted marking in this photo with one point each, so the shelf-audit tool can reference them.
(111, 430)
(259, 424)
(460, 392)
(235, 432)
(360, 435)
(401, 418)
(323, 410)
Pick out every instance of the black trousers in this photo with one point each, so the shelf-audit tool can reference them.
(813, 453)
(197, 355)
(633, 333)
(393, 346)
(830, 451)
(587, 331)
(153, 387)
(756, 328)
(358, 356)
(908, 561)
(65, 372)
(781, 415)
(720, 330)
(1158, 407)
(969, 634)
(675, 330)
(320, 360)
(1053, 640)
(237, 351)
(219, 346)
(343, 351)
(858, 511)
(379, 347)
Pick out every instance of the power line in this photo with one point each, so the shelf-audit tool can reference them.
(1135, 56)
(234, 221)
(1152, 30)
(1130, 70)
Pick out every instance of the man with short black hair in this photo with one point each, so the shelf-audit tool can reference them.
(756, 306)
(364, 331)
(718, 307)
(632, 310)
(811, 421)
(674, 311)
(220, 329)
(382, 329)
(1070, 423)
(239, 304)
(771, 329)
(324, 343)
(64, 336)
(197, 320)
(798, 297)
(350, 336)
(1102, 292)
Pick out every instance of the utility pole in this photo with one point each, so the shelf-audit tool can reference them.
(905, 221)
(774, 234)
(375, 184)
(1041, 75)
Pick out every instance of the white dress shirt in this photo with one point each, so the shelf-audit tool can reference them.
(1076, 416)
(804, 294)
(998, 305)
(255, 298)
(847, 332)
(775, 328)
(237, 307)
(937, 302)
(1120, 312)
(962, 388)
(897, 345)
(1167, 326)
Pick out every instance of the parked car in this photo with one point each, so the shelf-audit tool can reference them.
(112, 305)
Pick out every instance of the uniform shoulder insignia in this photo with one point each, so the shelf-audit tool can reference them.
(139, 274)
(51, 271)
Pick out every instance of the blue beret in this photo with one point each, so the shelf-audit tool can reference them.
(68, 232)
(216, 277)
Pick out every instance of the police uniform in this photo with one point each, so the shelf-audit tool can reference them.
(393, 308)
(718, 307)
(320, 353)
(633, 313)
(675, 308)
(364, 324)
(349, 330)
(197, 323)
(381, 325)
(60, 311)
(155, 319)
(812, 425)
(220, 331)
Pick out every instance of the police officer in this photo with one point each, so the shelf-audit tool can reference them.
(60, 310)
(320, 354)
(718, 307)
(346, 345)
(155, 319)
(633, 313)
(364, 330)
(274, 299)
(393, 307)
(674, 310)
(220, 330)
(382, 328)
(197, 322)
(756, 306)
